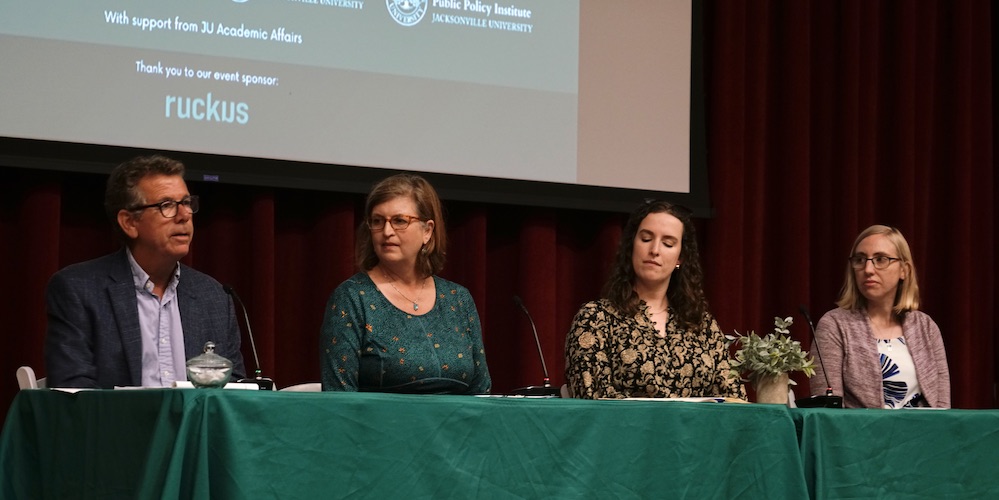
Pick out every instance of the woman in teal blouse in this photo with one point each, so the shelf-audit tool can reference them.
(395, 326)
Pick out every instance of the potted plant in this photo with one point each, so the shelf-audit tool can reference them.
(768, 360)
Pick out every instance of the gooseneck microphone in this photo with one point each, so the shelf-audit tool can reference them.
(827, 401)
(545, 390)
(264, 383)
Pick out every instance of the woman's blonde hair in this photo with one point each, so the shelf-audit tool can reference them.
(907, 294)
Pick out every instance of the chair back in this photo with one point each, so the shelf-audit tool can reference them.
(26, 379)
(307, 387)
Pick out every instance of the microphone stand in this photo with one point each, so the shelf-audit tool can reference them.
(263, 383)
(828, 400)
(546, 390)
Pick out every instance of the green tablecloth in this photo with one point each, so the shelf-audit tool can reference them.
(247, 444)
(899, 453)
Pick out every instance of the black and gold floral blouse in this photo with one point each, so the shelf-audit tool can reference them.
(368, 344)
(609, 355)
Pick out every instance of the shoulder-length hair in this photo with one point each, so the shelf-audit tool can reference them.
(685, 293)
(907, 294)
(428, 207)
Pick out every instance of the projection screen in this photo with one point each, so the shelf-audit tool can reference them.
(552, 102)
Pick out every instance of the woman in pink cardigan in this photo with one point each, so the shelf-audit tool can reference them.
(878, 350)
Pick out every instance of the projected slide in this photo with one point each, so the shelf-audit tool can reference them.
(592, 93)
(458, 86)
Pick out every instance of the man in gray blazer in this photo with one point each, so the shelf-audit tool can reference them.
(133, 318)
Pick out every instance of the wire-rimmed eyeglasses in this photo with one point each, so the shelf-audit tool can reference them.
(398, 221)
(169, 208)
(859, 262)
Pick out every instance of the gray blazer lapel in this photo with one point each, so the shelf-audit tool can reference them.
(189, 317)
(121, 292)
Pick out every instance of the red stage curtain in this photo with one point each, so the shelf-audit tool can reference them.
(827, 117)
(822, 118)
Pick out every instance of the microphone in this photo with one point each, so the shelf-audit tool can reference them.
(827, 401)
(263, 383)
(545, 390)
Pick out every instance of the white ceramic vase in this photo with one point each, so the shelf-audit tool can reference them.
(772, 389)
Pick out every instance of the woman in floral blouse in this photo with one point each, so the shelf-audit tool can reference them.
(651, 335)
(395, 326)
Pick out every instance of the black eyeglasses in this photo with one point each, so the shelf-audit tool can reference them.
(169, 208)
(859, 262)
(398, 221)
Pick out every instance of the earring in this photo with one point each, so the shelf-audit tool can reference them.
(678, 266)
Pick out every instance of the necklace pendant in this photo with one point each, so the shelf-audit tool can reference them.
(416, 307)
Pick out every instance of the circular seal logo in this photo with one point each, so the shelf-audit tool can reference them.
(407, 12)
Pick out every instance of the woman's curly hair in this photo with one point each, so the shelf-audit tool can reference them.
(685, 293)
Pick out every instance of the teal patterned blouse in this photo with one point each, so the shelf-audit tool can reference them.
(368, 344)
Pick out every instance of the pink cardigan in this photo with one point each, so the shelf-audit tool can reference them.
(850, 359)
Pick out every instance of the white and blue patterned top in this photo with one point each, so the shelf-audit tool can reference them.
(898, 375)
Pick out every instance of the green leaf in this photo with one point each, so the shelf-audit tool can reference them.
(773, 354)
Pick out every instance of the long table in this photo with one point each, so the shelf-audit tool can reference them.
(187, 443)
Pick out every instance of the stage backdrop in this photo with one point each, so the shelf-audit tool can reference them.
(823, 118)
